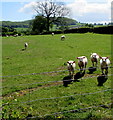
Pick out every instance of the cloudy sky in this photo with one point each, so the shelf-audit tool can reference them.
(86, 11)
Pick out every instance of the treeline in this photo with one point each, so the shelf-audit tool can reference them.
(99, 30)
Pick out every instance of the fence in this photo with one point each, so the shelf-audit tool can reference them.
(52, 98)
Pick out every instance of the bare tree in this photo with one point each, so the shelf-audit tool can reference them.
(51, 11)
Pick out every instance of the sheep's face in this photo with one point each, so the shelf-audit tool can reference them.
(70, 63)
(80, 59)
(94, 56)
(104, 59)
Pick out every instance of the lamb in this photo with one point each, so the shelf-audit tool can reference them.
(26, 45)
(104, 62)
(71, 67)
(94, 59)
(52, 34)
(82, 62)
(63, 37)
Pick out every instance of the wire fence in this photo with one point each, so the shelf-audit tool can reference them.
(47, 72)
(73, 111)
(50, 81)
(83, 94)
(52, 98)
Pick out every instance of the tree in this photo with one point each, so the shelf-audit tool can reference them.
(51, 11)
(39, 24)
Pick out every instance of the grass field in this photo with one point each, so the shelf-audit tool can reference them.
(25, 94)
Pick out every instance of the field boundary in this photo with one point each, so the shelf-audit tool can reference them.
(45, 72)
(83, 94)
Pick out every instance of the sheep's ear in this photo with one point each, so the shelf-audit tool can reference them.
(107, 57)
(84, 57)
(76, 57)
(73, 61)
(100, 57)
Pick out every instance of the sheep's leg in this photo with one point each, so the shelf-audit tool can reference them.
(102, 71)
(69, 73)
(93, 64)
(73, 75)
(96, 64)
(106, 71)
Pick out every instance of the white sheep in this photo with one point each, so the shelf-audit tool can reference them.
(82, 62)
(71, 67)
(52, 34)
(26, 45)
(104, 62)
(63, 37)
(94, 59)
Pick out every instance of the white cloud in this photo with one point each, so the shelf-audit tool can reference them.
(28, 8)
(81, 10)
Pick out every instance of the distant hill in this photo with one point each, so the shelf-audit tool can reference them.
(22, 24)
(27, 23)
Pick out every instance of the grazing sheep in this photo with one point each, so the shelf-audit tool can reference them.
(94, 59)
(15, 35)
(26, 45)
(52, 34)
(67, 80)
(104, 62)
(63, 37)
(82, 62)
(71, 67)
(102, 79)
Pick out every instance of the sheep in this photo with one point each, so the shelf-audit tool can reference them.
(52, 34)
(26, 45)
(82, 62)
(94, 59)
(71, 67)
(104, 62)
(63, 37)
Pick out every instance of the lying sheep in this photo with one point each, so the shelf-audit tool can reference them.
(104, 62)
(94, 59)
(71, 67)
(82, 62)
(63, 37)
(26, 45)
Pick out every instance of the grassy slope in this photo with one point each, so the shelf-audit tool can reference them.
(44, 54)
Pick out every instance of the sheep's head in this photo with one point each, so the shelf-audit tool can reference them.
(94, 55)
(70, 63)
(104, 58)
(81, 58)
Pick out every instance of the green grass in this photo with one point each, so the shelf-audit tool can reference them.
(48, 53)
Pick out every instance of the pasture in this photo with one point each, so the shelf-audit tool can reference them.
(43, 95)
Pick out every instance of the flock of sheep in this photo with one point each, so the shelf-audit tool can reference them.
(82, 63)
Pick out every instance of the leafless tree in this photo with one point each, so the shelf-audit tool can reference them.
(51, 11)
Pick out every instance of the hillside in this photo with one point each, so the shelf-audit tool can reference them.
(22, 24)
(26, 24)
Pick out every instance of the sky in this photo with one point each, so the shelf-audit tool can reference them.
(84, 11)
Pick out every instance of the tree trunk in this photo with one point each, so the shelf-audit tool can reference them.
(48, 23)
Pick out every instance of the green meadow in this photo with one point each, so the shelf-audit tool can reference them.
(28, 94)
